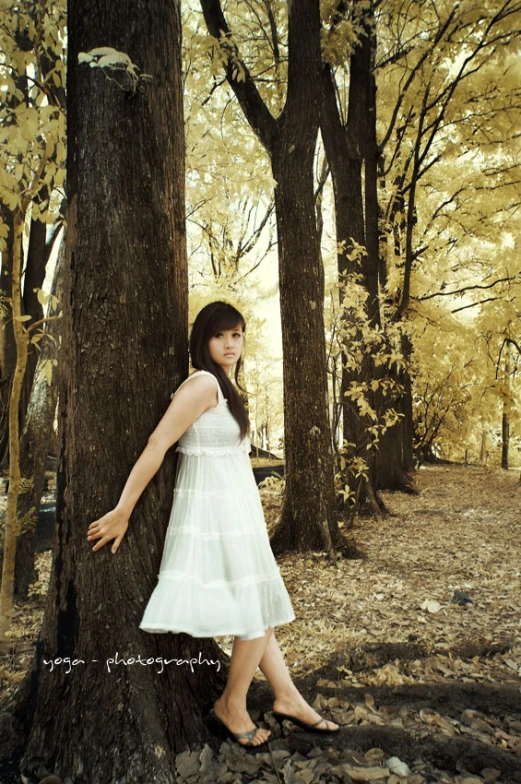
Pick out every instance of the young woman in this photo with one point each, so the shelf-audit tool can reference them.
(217, 575)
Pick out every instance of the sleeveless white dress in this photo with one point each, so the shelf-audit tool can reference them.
(218, 575)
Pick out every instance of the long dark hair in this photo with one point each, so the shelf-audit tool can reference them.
(217, 317)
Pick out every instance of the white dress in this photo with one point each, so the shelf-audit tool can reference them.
(217, 575)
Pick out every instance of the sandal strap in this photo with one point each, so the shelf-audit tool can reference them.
(250, 734)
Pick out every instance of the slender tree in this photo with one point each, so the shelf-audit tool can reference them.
(308, 517)
(352, 154)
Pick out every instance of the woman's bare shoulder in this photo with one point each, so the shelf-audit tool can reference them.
(199, 385)
(206, 378)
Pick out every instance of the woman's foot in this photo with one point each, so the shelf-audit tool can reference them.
(239, 721)
(295, 705)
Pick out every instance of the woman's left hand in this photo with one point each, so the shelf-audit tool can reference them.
(112, 525)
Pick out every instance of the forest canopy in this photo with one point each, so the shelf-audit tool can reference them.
(447, 134)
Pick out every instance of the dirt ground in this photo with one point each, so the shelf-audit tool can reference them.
(426, 689)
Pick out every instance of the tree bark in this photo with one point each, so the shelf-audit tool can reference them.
(124, 351)
(308, 519)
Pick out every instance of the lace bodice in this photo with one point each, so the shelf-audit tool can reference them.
(216, 432)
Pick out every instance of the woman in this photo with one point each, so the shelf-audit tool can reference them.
(217, 575)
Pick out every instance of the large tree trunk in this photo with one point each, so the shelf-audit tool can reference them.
(124, 351)
(309, 518)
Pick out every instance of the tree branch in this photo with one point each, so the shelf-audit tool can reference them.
(474, 304)
(239, 78)
(463, 290)
(428, 52)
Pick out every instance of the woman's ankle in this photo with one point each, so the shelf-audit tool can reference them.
(289, 694)
(231, 703)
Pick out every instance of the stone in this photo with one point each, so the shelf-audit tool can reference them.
(395, 765)
(490, 774)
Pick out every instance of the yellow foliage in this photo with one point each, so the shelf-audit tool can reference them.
(32, 118)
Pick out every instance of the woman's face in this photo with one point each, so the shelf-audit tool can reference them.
(226, 347)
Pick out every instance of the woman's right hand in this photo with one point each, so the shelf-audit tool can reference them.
(112, 525)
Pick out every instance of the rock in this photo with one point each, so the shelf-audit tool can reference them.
(468, 716)
(395, 765)
(478, 725)
(471, 780)
(187, 764)
(431, 605)
(490, 774)
(461, 598)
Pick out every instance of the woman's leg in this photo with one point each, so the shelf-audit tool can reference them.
(288, 699)
(231, 705)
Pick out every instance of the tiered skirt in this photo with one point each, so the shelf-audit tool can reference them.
(218, 575)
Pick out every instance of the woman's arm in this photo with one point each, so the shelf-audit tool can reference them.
(192, 400)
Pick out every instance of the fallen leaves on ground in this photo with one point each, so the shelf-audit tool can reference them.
(387, 621)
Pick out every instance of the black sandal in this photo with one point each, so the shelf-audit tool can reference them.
(223, 729)
(305, 726)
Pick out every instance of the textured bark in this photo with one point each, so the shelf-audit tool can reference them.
(309, 518)
(124, 351)
(395, 459)
(390, 458)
